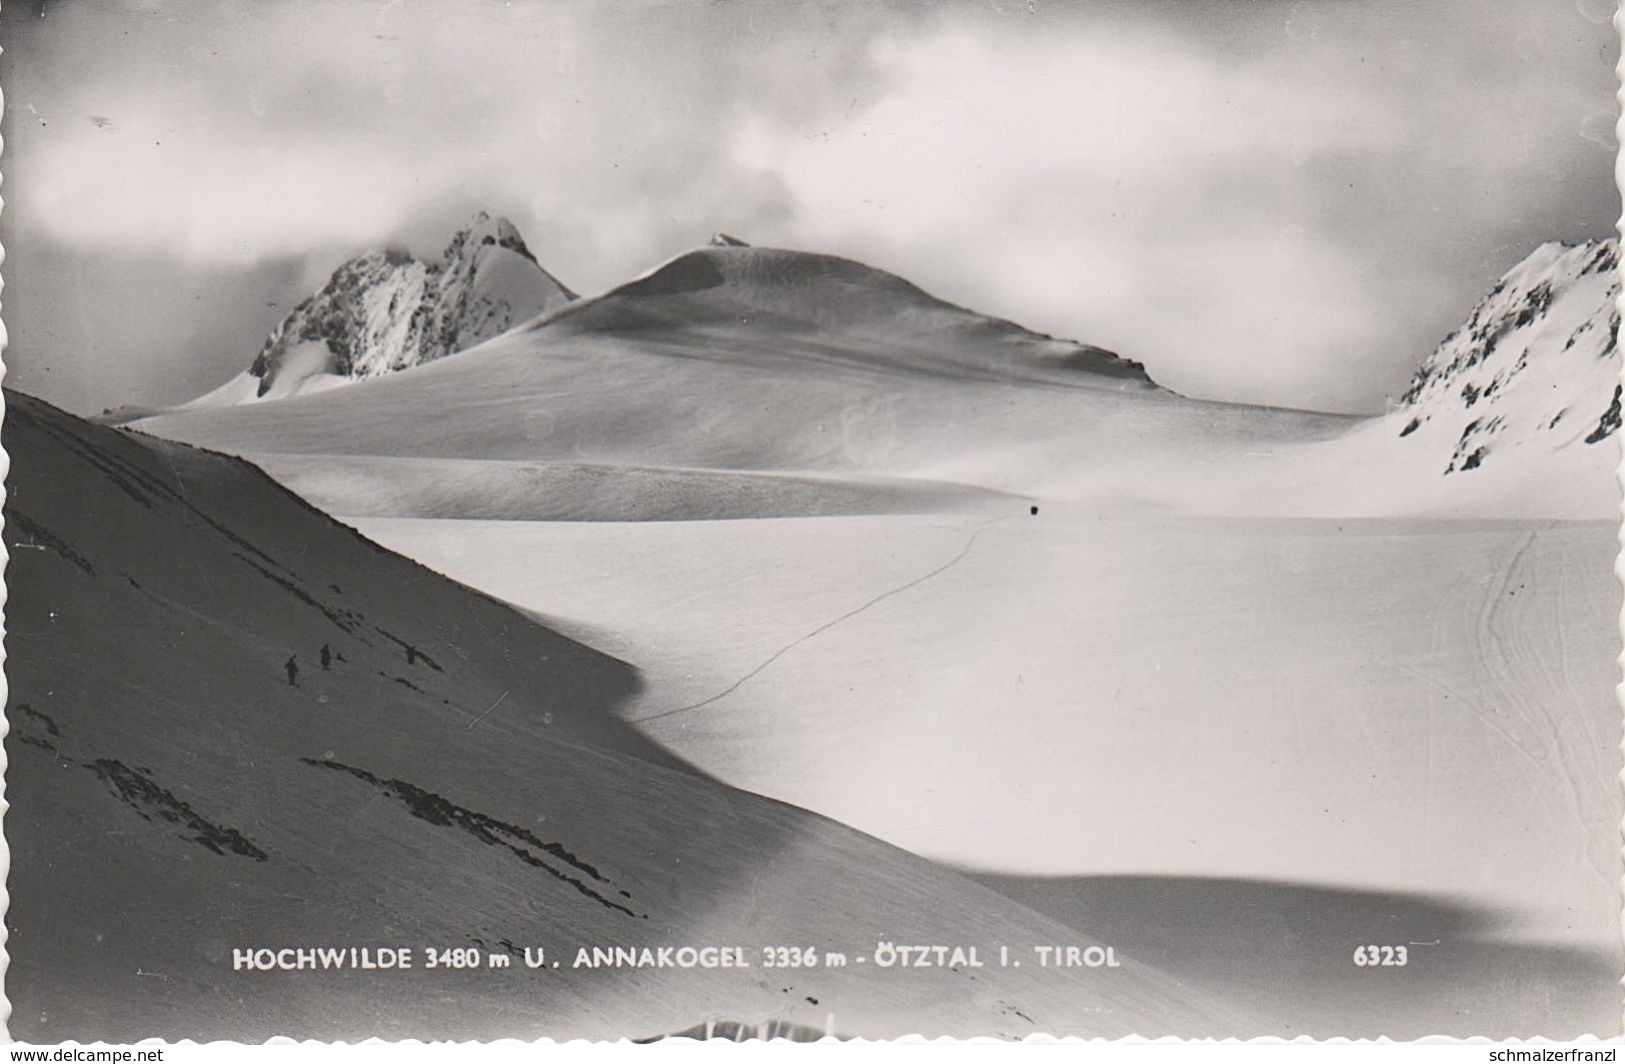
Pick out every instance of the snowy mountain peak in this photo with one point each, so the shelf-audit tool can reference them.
(1535, 369)
(385, 310)
(486, 231)
(770, 294)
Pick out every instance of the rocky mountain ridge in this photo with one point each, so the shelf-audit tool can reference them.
(385, 310)
(1535, 368)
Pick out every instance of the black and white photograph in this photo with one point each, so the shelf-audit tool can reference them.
(726, 519)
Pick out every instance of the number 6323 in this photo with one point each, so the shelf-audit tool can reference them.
(1381, 956)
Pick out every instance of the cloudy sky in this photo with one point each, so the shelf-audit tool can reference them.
(1279, 202)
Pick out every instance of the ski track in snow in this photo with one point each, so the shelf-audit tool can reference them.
(821, 629)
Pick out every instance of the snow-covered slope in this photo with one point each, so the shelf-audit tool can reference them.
(1516, 413)
(886, 321)
(1534, 370)
(731, 357)
(235, 723)
(744, 359)
(385, 311)
(1073, 696)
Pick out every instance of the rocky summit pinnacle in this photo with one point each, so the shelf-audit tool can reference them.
(386, 310)
(486, 231)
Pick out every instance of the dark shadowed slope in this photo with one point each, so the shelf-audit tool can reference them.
(235, 724)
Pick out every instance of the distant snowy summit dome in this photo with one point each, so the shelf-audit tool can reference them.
(1535, 369)
(731, 288)
(385, 310)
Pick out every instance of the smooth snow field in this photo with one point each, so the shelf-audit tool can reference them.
(236, 724)
(1380, 705)
(1238, 689)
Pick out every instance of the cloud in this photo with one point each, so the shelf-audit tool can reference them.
(1253, 223)
(1274, 202)
(262, 130)
(1107, 186)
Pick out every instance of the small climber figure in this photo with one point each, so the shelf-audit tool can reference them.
(292, 665)
(327, 657)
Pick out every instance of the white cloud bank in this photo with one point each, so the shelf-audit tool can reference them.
(1271, 202)
(1118, 186)
(1253, 222)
